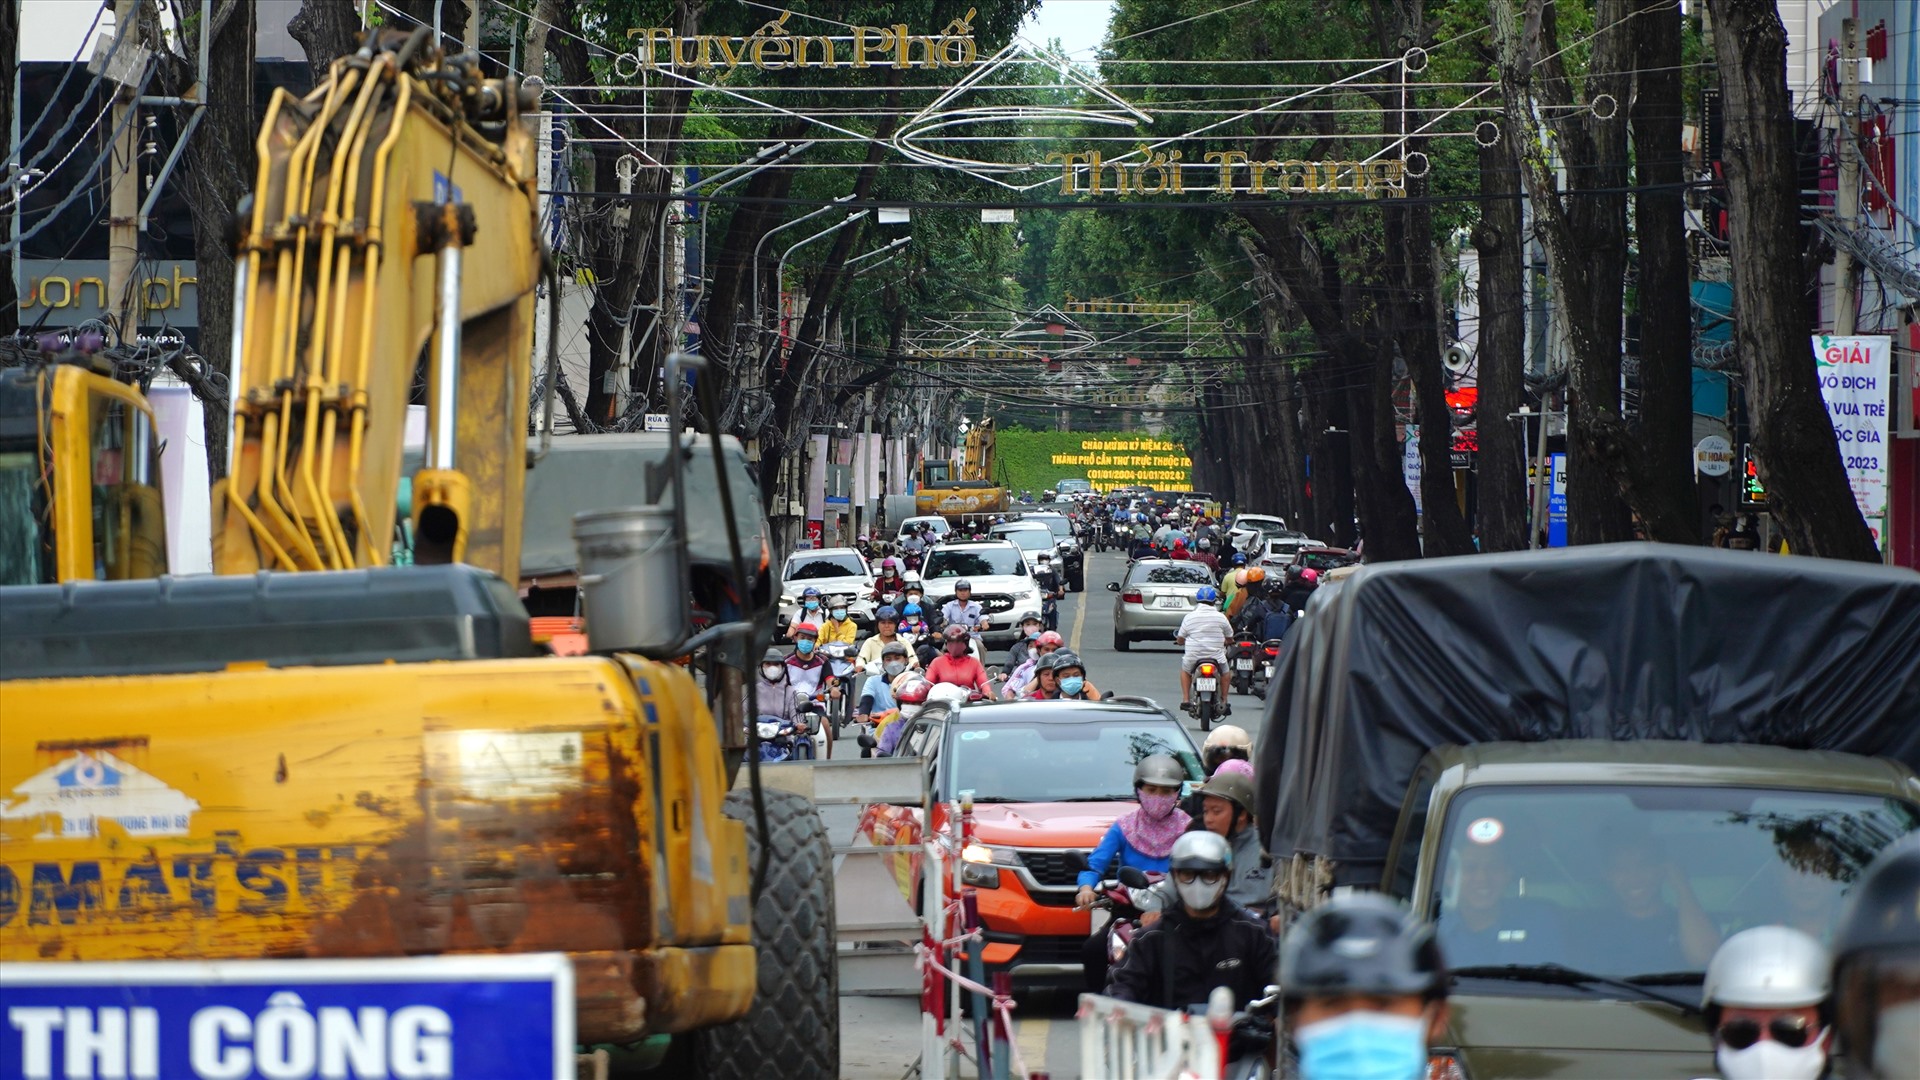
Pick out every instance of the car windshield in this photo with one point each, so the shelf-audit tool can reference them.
(935, 525)
(1325, 560)
(1170, 574)
(1059, 526)
(1254, 523)
(818, 565)
(1028, 539)
(975, 562)
(1644, 882)
(1061, 762)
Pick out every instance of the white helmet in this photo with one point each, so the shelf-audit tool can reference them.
(1768, 967)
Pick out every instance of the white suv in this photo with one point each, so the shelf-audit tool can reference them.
(997, 571)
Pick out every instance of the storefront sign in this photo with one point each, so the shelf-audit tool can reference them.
(69, 292)
(1855, 373)
(1225, 172)
(774, 48)
(1713, 456)
(1557, 503)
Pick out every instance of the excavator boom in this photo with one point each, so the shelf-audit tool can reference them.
(390, 252)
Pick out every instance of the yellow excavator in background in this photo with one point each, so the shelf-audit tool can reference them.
(364, 760)
(973, 490)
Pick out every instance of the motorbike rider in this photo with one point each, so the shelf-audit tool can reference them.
(806, 667)
(809, 612)
(1143, 839)
(1070, 677)
(1876, 972)
(876, 693)
(839, 626)
(1052, 589)
(1021, 678)
(1225, 743)
(1203, 553)
(1765, 999)
(1203, 635)
(1301, 582)
(1045, 684)
(1366, 990)
(890, 580)
(963, 610)
(886, 632)
(1251, 619)
(1204, 942)
(773, 693)
(956, 666)
(1031, 628)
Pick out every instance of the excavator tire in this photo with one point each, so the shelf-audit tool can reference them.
(793, 1029)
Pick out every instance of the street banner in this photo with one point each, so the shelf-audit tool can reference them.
(1557, 502)
(1410, 466)
(1855, 375)
(456, 1017)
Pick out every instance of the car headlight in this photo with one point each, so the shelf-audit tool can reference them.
(982, 853)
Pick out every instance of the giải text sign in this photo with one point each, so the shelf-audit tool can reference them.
(1855, 375)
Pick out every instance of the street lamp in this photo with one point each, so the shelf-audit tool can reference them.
(759, 249)
(780, 267)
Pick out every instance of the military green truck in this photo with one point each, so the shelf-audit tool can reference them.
(1589, 767)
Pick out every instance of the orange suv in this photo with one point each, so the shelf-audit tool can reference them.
(1048, 779)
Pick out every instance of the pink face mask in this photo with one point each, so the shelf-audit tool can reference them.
(1157, 806)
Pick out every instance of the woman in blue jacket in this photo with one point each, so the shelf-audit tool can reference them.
(1143, 838)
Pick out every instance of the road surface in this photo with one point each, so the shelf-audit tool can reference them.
(879, 1037)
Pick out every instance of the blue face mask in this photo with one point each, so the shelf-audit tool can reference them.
(1364, 1046)
(813, 605)
(805, 647)
(839, 613)
(1071, 685)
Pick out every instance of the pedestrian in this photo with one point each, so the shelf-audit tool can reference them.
(1765, 1001)
(1365, 990)
(1876, 971)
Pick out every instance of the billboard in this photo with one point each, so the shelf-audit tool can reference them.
(1855, 376)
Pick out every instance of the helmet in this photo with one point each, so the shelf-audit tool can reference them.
(911, 610)
(885, 613)
(1768, 967)
(894, 648)
(1067, 658)
(1361, 943)
(1206, 544)
(914, 693)
(1310, 575)
(1200, 850)
(1239, 558)
(774, 656)
(1179, 543)
(889, 563)
(810, 593)
(963, 583)
(1878, 933)
(1053, 638)
(1254, 574)
(807, 628)
(1159, 769)
(1207, 595)
(1236, 788)
(1240, 578)
(1227, 736)
(954, 633)
(1029, 616)
(1047, 662)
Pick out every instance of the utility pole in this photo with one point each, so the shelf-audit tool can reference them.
(1846, 204)
(123, 199)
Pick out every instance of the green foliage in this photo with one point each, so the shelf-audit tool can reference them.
(1025, 460)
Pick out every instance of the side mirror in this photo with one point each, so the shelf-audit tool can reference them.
(1113, 586)
(1133, 878)
(868, 742)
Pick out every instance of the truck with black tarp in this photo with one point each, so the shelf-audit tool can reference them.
(1588, 768)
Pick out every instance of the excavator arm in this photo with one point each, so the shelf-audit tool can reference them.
(389, 252)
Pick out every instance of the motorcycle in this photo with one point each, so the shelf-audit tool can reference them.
(1209, 704)
(839, 708)
(1264, 665)
(778, 739)
(1120, 903)
(812, 740)
(1245, 659)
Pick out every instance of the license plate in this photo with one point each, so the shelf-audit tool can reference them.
(1268, 669)
(1173, 602)
(1243, 665)
(1203, 684)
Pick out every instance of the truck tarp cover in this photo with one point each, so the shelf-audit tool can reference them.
(1627, 641)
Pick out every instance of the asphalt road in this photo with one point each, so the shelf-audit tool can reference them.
(879, 1037)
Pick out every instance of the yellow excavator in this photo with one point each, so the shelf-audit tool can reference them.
(334, 757)
(954, 491)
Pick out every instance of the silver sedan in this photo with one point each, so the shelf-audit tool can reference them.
(1154, 597)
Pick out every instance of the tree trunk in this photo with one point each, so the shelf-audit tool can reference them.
(1584, 230)
(1799, 458)
(1664, 488)
(1500, 360)
(327, 30)
(216, 170)
(1410, 230)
